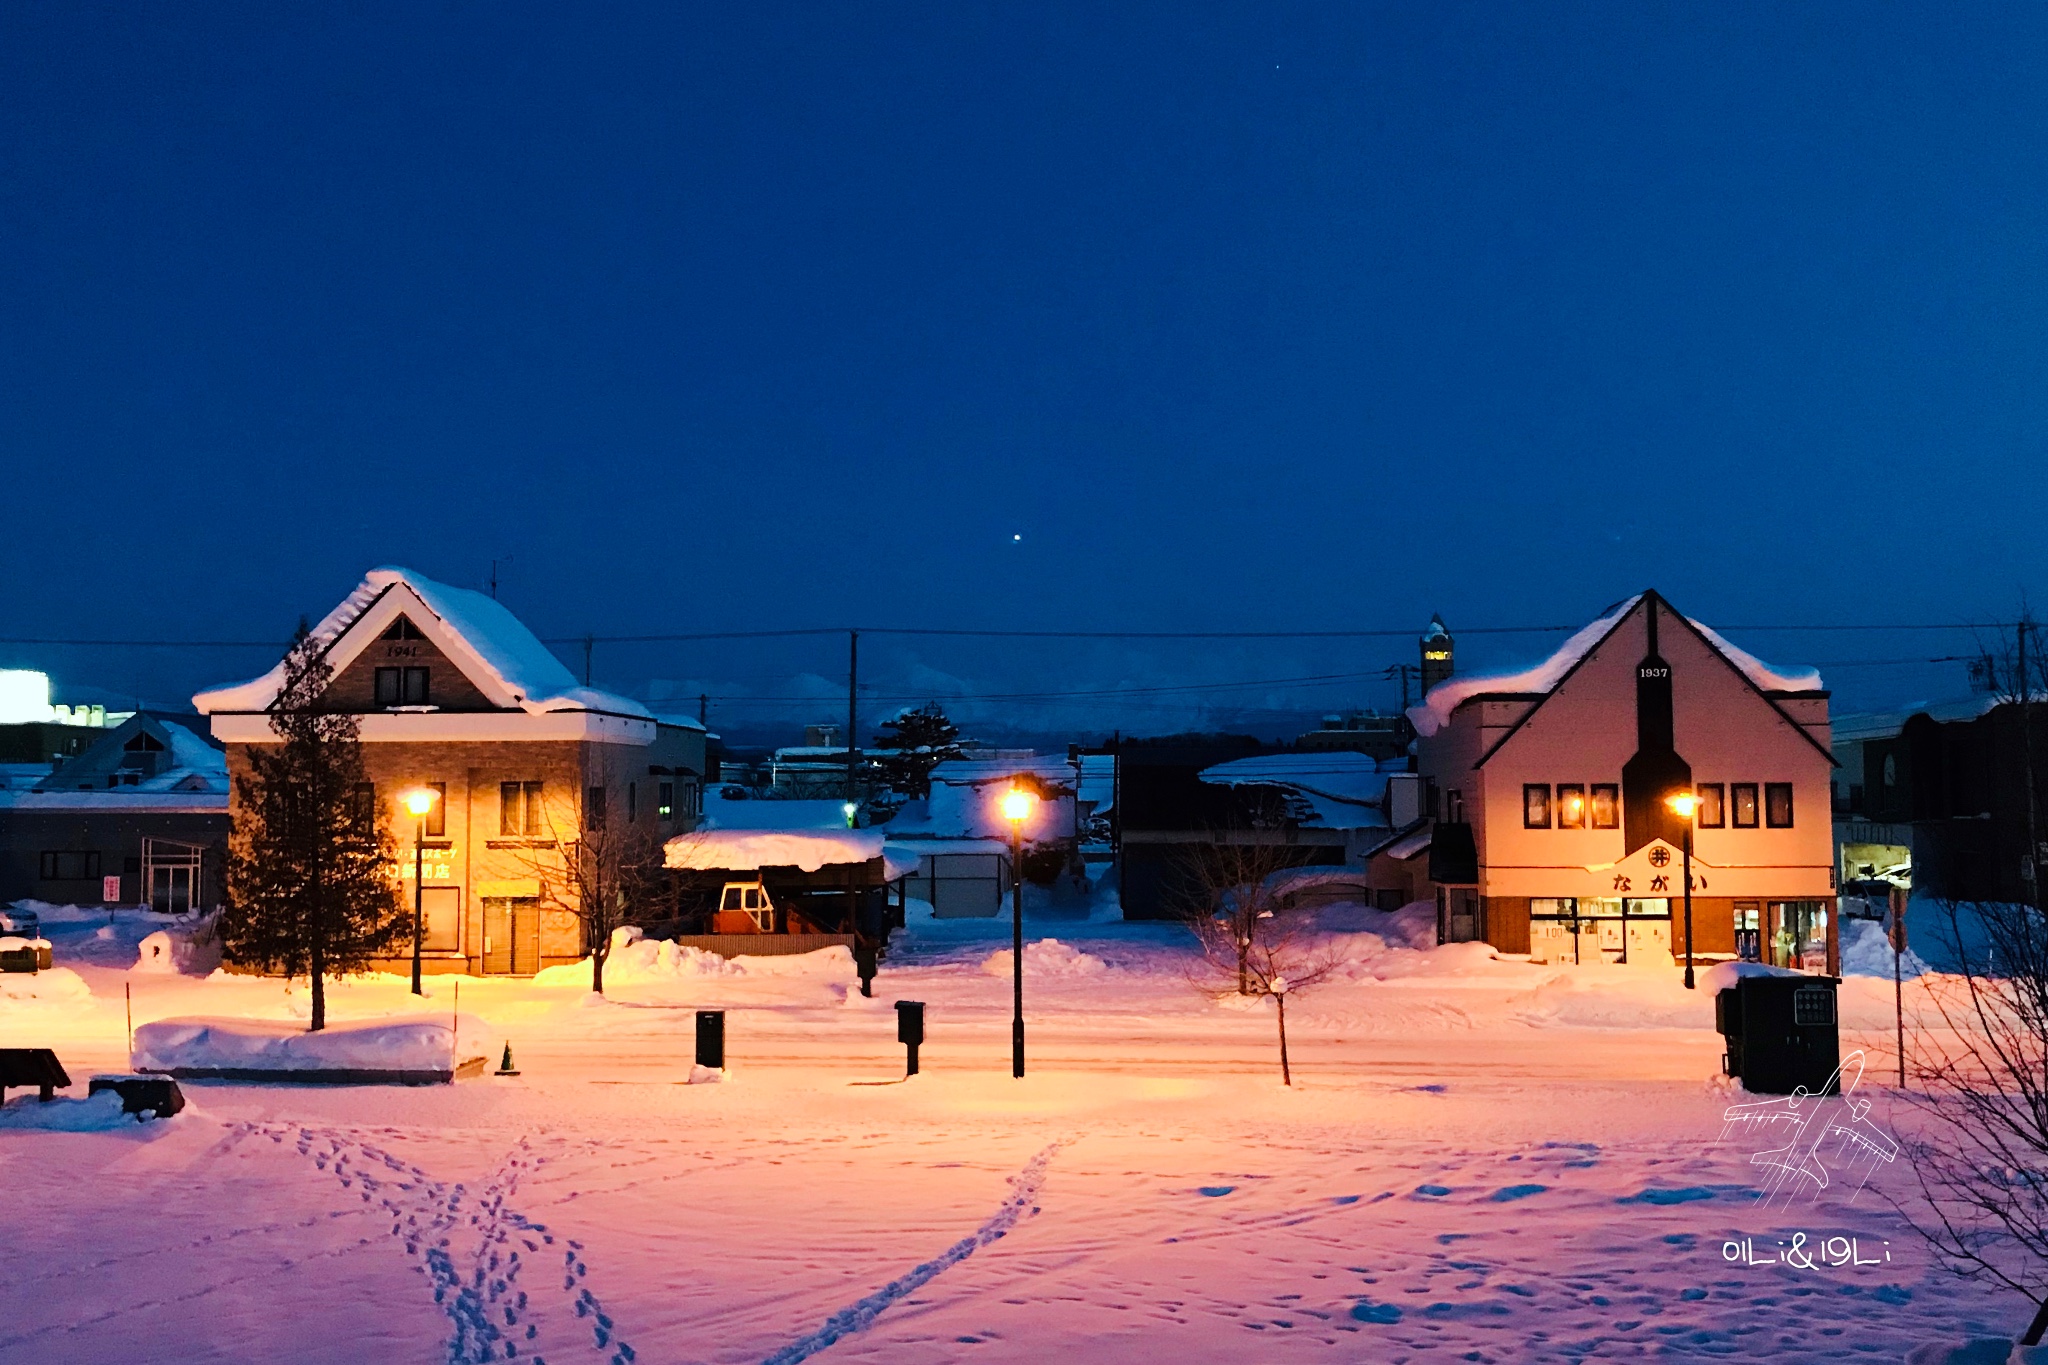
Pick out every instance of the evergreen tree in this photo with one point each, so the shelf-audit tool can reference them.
(914, 743)
(310, 885)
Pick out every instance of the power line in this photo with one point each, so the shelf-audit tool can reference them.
(938, 632)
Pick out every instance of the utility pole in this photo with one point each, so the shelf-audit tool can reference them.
(2032, 863)
(852, 715)
(704, 708)
(589, 643)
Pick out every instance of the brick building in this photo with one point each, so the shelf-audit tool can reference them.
(454, 694)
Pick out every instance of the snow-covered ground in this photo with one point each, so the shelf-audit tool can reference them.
(1480, 1160)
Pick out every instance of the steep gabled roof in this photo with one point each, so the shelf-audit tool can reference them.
(491, 646)
(1542, 681)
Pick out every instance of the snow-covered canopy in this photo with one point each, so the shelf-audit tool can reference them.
(1434, 711)
(750, 850)
(1336, 790)
(488, 643)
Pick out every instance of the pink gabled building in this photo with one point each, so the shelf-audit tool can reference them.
(1549, 791)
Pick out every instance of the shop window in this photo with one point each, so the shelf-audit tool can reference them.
(1742, 796)
(1713, 807)
(1606, 805)
(1571, 805)
(519, 811)
(440, 918)
(65, 865)
(1778, 805)
(1535, 805)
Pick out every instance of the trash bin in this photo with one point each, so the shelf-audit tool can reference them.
(1782, 1033)
(711, 1039)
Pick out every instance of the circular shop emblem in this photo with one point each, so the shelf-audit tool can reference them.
(1659, 857)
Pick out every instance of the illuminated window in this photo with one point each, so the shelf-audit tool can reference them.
(1778, 805)
(1713, 809)
(519, 810)
(1571, 805)
(1606, 805)
(1535, 805)
(1742, 796)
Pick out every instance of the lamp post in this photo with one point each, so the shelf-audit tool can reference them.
(1018, 803)
(1685, 803)
(420, 800)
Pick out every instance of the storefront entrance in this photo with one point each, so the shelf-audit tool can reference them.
(511, 937)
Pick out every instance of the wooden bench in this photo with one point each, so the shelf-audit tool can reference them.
(36, 1066)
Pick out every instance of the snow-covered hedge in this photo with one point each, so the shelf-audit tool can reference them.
(414, 1043)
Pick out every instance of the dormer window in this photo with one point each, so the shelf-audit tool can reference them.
(140, 756)
(402, 629)
(402, 687)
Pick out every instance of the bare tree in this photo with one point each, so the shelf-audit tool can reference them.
(1980, 1060)
(1253, 942)
(601, 868)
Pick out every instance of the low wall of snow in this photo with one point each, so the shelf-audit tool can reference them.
(410, 1050)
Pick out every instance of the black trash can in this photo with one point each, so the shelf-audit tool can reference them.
(1782, 1033)
(711, 1039)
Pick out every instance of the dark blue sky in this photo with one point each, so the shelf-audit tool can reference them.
(736, 317)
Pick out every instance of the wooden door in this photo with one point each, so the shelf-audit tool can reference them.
(511, 937)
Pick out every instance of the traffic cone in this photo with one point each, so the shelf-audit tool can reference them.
(505, 1068)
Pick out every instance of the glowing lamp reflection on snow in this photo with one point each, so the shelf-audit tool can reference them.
(420, 800)
(1018, 805)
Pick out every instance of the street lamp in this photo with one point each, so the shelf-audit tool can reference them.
(420, 800)
(1018, 803)
(1685, 803)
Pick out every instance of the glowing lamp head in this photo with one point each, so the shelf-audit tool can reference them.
(849, 810)
(1684, 803)
(420, 800)
(1018, 805)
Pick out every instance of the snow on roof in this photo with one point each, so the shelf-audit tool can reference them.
(1434, 711)
(475, 630)
(750, 850)
(1412, 844)
(1339, 790)
(1344, 776)
(155, 799)
(976, 772)
(193, 754)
